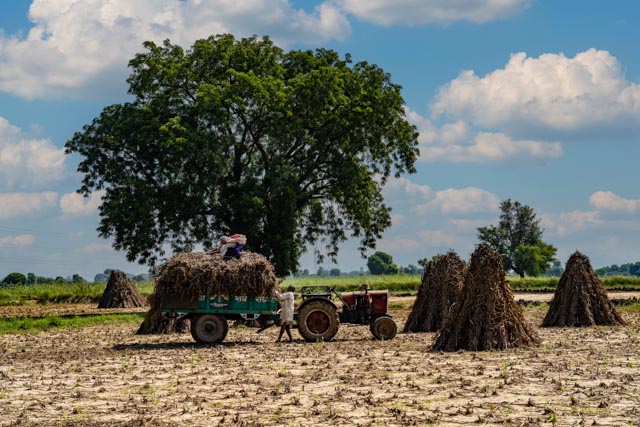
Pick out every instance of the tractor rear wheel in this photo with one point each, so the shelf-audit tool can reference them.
(209, 328)
(318, 321)
(384, 328)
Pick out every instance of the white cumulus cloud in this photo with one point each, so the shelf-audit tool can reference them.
(564, 223)
(22, 240)
(436, 238)
(74, 204)
(552, 92)
(14, 205)
(95, 248)
(27, 163)
(402, 187)
(417, 12)
(609, 201)
(460, 201)
(78, 46)
(456, 142)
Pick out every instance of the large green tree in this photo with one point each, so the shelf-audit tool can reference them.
(289, 148)
(518, 238)
(381, 263)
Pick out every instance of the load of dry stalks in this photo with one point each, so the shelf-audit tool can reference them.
(442, 281)
(580, 298)
(120, 293)
(191, 274)
(485, 316)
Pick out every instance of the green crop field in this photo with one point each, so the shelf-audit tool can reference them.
(60, 293)
(401, 284)
(37, 324)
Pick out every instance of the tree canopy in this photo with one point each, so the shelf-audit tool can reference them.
(381, 263)
(518, 238)
(239, 136)
(14, 279)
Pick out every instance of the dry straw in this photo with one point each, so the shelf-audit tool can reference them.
(120, 293)
(485, 316)
(442, 281)
(580, 298)
(192, 274)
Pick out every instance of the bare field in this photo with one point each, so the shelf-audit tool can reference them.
(108, 376)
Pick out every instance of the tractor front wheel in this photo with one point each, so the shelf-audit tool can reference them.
(384, 328)
(209, 328)
(318, 321)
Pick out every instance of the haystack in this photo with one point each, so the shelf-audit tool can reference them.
(192, 274)
(120, 293)
(442, 281)
(580, 298)
(485, 316)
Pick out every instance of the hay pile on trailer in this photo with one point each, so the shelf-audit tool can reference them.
(191, 274)
(485, 316)
(580, 298)
(442, 281)
(120, 293)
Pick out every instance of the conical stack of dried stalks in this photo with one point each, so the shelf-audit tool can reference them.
(485, 316)
(580, 298)
(192, 274)
(442, 281)
(120, 293)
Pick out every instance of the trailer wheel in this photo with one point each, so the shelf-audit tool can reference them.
(318, 321)
(209, 328)
(384, 328)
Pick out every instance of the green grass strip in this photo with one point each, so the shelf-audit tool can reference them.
(397, 284)
(29, 325)
(69, 293)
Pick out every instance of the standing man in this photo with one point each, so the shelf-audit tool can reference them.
(286, 312)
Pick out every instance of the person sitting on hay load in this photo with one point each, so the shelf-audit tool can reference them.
(286, 313)
(231, 246)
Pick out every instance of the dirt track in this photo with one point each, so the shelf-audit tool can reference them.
(96, 376)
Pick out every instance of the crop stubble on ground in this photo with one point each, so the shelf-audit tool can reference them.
(108, 376)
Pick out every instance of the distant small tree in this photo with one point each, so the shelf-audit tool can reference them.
(381, 263)
(518, 238)
(334, 272)
(59, 279)
(423, 261)
(76, 278)
(411, 269)
(320, 271)
(15, 279)
(533, 260)
(31, 279)
(99, 278)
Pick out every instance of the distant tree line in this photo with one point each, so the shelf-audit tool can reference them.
(630, 269)
(16, 278)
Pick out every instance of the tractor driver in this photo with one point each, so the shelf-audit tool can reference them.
(363, 303)
(286, 313)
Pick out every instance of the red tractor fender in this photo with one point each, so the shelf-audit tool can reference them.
(308, 300)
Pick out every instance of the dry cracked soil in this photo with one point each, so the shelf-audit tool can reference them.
(107, 376)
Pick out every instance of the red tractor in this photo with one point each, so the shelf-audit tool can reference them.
(318, 316)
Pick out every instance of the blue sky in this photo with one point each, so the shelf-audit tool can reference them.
(537, 101)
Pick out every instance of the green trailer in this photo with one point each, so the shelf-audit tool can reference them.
(209, 315)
